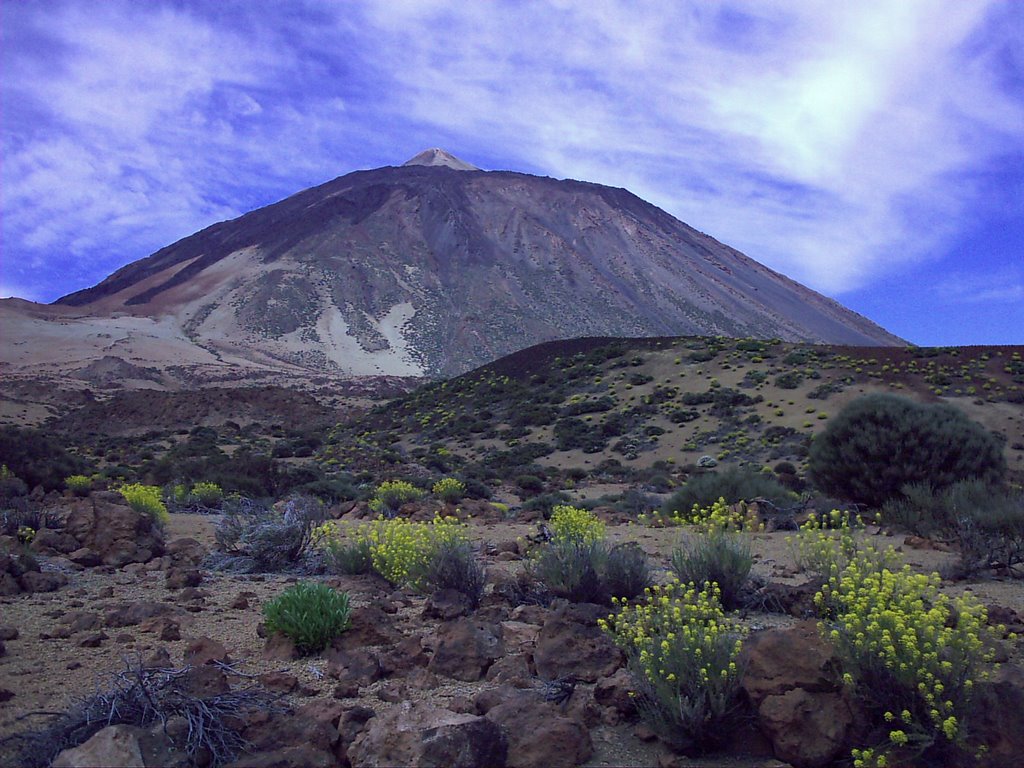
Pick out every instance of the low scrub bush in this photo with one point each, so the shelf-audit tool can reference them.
(38, 458)
(208, 494)
(449, 490)
(146, 500)
(590, 571)
(683, 653)
(310, 614)
(21, 516)
(719, 558)
(453, 564)
(425, 556)
(733, 485)
(989, 532)
(391, 495)
(79, 485)
(717, 517)
(261, 539)
(910, 653)
(347, 556)
(879, 444)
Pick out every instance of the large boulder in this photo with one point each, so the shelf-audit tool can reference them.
(115, 532)
(807, 729)
(792, 680)
(997, 717)
(568, 647)
(539, 734)
(424, 736)
(465, 649)
(124, 746)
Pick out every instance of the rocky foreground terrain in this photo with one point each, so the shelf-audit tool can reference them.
(417, 679)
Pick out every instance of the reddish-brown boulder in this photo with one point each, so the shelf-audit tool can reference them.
(539, 734)
(116, 533)
(465, 649)
(426, 736)
(568, 648)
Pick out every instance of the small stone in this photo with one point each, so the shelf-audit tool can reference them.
(93, 640)
(8, 632)
(240, 603)
(205, 650)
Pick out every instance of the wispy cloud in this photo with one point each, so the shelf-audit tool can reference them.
(830, 141)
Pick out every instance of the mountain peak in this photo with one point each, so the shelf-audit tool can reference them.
(436, 156)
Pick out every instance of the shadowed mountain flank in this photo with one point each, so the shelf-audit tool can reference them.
(434, 267)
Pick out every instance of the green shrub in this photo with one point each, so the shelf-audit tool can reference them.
(453, 564)
(683, 654)
(79, 485)
(590, 571)
(988, 528)
(530, 483)
(573, 524)
(348, 556)
(425, 556)
(910, 653)
(10, 484)
(626, 572)
(208, 494)
(879, 444)
(145, 499)
(391, 495)
(715, 558)
(449, 489)
(38, 458)
(310, 614)
(569, 569)
(732, 484)
(718, 517)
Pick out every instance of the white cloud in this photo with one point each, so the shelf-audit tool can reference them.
(827, 140)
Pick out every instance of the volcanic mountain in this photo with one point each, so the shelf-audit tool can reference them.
(430, 268)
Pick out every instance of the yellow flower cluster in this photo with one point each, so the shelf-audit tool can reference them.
(146, 500)
(391, 494)
(449, 489)
(683, 648)
(722, 516)
(906, 645)
(826, 544)
(570, 524)
(400, 549)
(78, 484)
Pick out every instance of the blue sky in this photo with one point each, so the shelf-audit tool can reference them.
(873, 150)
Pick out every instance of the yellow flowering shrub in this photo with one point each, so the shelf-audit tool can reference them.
(825, 544)
(570, 524)
(146, 500)
(208, 494)
(392, 494)
(79, 485)
(400, 550)
(449, 489)
(720, 516)
(682, 651)
(911, 653)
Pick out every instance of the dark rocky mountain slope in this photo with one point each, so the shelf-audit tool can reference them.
(433, 268)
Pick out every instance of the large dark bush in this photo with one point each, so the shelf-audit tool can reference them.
(38, 458)
(880, 443)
